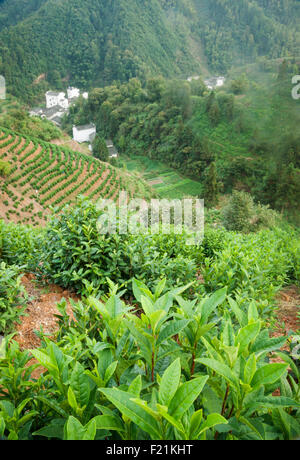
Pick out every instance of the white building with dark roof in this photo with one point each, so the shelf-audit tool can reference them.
(214, 82)
(113, 153)
(57, 105)
(85, 133)
(2, 87)
(54, 98)
(73, 93)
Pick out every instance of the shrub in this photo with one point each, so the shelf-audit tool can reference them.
(19, 245)
(5, 168)
(242, 215)
(254, 266)
(238, 212)
(167, 374)
(264, 217)
(75, 253)
(213, 242)
(11, 297)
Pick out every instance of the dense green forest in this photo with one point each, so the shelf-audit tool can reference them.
(248, 129)
(96, 42)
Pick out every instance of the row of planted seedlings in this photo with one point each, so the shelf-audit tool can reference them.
(72, 190)
(94, 173)
(102, 187)
(51, 176)
(69, 170)
(7, 143)
(39, 169)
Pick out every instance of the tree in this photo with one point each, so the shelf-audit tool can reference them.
(211, 189)
(240, 85)
(239, 211)
(178, 94)
(288, 188)
(214, 113)
(155, 88)
(283, 71)
(100, 149)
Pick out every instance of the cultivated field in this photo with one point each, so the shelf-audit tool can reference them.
(45, 175)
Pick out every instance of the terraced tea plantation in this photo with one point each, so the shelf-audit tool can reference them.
(43, 175)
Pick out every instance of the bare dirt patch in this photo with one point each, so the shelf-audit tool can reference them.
(41, 311)
(289, 307)
(288, 300)
(73, 145)
(39, 78)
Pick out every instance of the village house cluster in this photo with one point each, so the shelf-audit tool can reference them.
(210, 83)
(57, 104)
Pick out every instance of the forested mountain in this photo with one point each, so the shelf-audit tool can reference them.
(94, 42)
(14, 11)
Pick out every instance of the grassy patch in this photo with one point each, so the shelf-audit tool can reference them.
(170, 184)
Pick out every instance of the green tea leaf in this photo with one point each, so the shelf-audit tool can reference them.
(123, 402)
(269, 374)
(169, 382)
(185, 396)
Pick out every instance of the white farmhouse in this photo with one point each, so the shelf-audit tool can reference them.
(56, 98)
(2, 88)
(220, 81)
(196, 77)
(214, 82)
(86, 133)
(73, 93)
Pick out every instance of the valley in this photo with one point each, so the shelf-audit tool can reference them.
(158, 319)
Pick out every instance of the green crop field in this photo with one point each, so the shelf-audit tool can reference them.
(167, 182)
(44, 175)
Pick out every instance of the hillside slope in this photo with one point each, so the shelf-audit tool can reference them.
(44, 175)
(95, 42)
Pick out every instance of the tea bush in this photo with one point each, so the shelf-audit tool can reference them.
(179, 370)
(12, 296)
(5, 168)
(20, 245)
(254, 266)
(76, 253)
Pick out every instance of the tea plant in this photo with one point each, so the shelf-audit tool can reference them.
(159, 369)
(79, 253)
(12, 296)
